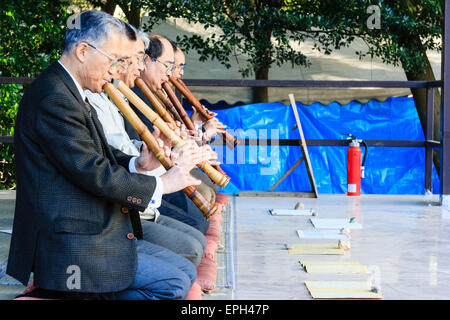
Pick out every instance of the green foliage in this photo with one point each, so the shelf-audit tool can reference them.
(31, 39)
(255, 29)
(408, 29)
(262, 29)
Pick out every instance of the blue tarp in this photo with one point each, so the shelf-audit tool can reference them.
(389, 170)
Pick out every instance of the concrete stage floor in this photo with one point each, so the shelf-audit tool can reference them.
(404, 241)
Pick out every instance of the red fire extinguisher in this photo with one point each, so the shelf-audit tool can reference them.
(355, 170)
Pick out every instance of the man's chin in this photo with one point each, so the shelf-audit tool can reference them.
(100, 86)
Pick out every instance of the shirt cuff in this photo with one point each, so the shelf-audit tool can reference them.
(155, 202)
(131, 165)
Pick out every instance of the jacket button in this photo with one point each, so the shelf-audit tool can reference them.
(139, 201)
(134, 200)
(130, 236)
(124, 210)
(129, 198)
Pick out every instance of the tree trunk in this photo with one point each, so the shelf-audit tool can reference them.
(420, 95)
(109, 7)
(261, 94)
(132, 13)
(262, 64)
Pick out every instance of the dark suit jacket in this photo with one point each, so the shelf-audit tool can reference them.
(71, 191)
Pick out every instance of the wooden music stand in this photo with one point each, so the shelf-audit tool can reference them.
(304, 153)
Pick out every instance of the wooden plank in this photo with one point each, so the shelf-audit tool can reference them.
(303, 147)
(286, 174)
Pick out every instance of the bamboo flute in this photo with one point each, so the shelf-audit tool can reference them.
(178, 106)
(154, 101)
(230, 141)
(186, 120)
(153, 145)
(219, 178)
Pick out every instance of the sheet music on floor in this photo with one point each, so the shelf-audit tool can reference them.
(292, 212)
(314, 248)
(334, 267)
(335, 223)
(322, 234)
(341, 290)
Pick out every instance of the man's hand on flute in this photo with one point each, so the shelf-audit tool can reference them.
(190, 154)
(213, 127)
(176, 179)
(212, 161)
(196, 118)
(185, 157)
(146, 160)
(162, 137)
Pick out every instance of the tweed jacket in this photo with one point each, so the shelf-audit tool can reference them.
(72, 225)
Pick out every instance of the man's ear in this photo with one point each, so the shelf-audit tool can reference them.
(81, 51)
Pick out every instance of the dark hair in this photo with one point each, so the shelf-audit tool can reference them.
(130, 32)
(174, 45)
(155, 47)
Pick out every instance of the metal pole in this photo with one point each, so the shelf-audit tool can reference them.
(445, 109)
(428, 137)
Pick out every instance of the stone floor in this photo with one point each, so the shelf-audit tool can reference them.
(405, 241)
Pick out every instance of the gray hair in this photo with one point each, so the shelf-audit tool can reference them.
(144, 38)
(141, 34)
(95, 28)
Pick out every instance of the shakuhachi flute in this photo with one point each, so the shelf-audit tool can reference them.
(230, 141)
(169, 105)
(179, 107)
(217, 177)
(145, 134)
(186, 120)
(154, 101)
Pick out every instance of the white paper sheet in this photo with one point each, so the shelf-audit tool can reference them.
(291, 212)
(335, 224)
(322, 234)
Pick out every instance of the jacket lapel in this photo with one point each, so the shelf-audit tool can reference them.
(101, 134)
(67, 80)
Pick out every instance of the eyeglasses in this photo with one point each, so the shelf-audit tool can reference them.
(141, 59)
(170, 68)
(117, 63)
(181, 66)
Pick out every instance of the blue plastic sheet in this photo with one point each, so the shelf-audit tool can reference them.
(388, 170)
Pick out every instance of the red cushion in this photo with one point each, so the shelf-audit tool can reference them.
(213, 231)
(222, 198)
(207, 274)
(217, 216)
(30, 287)
(211, 249)
(195, 293)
